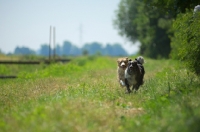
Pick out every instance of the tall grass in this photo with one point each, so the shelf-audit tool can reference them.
(84, 95)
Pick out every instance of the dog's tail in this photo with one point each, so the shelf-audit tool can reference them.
(140, 59)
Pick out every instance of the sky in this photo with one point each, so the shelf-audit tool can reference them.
(27, 23)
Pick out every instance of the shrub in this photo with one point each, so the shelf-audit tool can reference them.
(186, 41)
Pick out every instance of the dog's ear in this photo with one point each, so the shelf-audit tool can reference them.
(130, 60)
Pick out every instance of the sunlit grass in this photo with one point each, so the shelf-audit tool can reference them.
(84, 95)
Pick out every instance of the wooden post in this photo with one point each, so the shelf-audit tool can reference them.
(80, 34)
(54, 43)
(50, 45)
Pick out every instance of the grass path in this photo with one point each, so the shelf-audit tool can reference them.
(84, 95)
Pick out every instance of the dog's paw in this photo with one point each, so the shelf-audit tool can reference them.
(127, 92)
(122, 83)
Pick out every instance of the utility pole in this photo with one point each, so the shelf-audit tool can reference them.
(50, 44)
(81, 32)
(54, 43)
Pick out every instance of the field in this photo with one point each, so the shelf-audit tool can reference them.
(84, 96)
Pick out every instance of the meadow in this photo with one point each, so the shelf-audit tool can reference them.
(84, 96)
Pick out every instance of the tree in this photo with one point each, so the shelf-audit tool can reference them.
(186, 40)
(75, 51)
(1, 52)
(173, 7)
(58, 50)
(138, 21)
(66, 48)
(23, 51)
(114, 50)
(93, 48)
(97, 49)
(85, 52)
(70, 49)
(44, 50)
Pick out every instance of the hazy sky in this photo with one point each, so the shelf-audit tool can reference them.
(27, 23)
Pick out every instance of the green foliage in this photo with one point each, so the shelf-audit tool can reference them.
(185, 43)
(139, 22)
(173, 7)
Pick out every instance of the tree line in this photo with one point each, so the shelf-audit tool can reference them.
(68, 49)
(165, 28)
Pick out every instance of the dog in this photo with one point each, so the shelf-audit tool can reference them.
(122, 64)
(134, 74)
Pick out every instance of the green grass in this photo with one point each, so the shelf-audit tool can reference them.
(84, 95)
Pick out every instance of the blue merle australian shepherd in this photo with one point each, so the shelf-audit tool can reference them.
(134, 74)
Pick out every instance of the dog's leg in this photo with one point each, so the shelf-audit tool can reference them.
(133, 88)
(122, 83)
(137, 87)
(127, 86)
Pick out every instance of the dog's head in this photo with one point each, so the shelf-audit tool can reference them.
(133, 67)
(122, 62)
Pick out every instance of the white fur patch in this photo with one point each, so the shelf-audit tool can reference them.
(126, 73)
(122, 64)
(130, 78)
(122, 83)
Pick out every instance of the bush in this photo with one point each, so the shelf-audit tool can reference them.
(186, 41)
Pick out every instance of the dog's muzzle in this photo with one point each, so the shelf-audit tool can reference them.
(123, 65)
